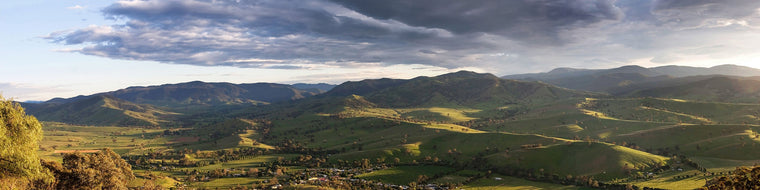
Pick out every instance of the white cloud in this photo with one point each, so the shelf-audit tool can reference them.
(76, 7)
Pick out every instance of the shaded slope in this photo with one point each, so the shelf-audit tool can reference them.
(201, 93)
(462, 88)
(616, 80)
(718, 88)
(364, 87)
(321, 87)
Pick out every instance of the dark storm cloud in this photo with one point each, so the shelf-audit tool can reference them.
(441, 33)
(528, 20)
(226, 32)
(504, 36)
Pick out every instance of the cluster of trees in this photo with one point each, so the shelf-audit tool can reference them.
(101, 170)
(21, 167)
(741, 178)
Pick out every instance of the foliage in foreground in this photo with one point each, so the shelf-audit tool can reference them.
(21, 168)
(19, 136)
(101, 170)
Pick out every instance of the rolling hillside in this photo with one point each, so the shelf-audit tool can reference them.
(718, 88)
(100, 110)
(456, 124)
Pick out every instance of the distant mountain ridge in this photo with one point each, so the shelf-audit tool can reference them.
(203, 93)
(150, 105)
(323, 87)
(460, 88)
(670, 70)
(610, 80)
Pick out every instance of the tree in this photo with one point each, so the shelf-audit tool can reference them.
(741, 178)
(101, 170)
(19, 138)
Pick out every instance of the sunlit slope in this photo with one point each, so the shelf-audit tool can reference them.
(676, 110)
(581, 158)
(101, 110)
(230, 133)
(737, 142)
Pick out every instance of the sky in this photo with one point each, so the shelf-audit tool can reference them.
(64, 48)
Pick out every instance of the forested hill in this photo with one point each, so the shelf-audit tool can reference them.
(462, 88)
(203, 93)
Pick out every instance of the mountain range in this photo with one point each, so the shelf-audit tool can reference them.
(627, 80)
(151, 105)
(147, 105)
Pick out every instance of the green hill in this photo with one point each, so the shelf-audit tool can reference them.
(205, 94)
(462, 88)
(719, 89)
(202, 93)
(100, 110)
(604, 160)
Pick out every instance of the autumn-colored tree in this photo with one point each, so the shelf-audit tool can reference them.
(19, 138)
(101, 170)
(741, 178)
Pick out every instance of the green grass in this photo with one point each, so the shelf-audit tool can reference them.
(669, 110)
(735, 142)
(511, 183)
(248, 163)
(459, 177)
(58, 136)
(666, 180)
(604, 161)
(228, 182)
(439, 114)
(403, 175)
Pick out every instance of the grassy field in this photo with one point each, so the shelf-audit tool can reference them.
(601, 160)
(498, 182)
(123, 140)
(403, 175)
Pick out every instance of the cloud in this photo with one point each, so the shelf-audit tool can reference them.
(27, 92)
(76, 7)
(707, 13)
(527, 20)
(498, 36)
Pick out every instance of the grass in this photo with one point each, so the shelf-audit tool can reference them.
(666, 180)
(604, 161)
(123, 140)
(511, 183)
(228, 182)
(439, 114)
(722, 165)
(248, 163)
(403, 175)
